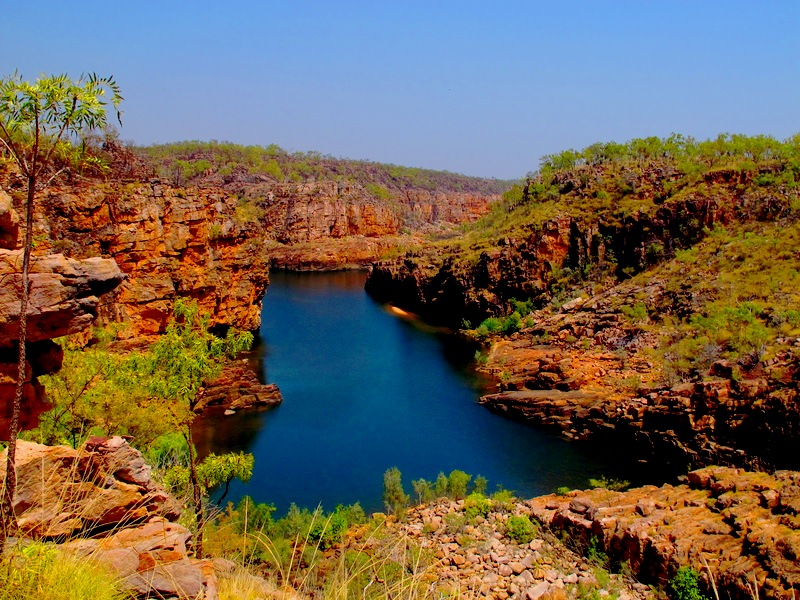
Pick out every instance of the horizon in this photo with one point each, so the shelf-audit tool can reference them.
(448, 86)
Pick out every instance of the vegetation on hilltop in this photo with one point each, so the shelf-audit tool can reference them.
(606, 183)
(222, 163)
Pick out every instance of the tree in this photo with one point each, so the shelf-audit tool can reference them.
(394, 496)
(38, 123)
(176, 367)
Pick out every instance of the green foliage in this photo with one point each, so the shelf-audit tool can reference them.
(39, 120)
(496, 325)
(746, 287)
(97, 392)
(595, 553)
(440, 485)
(186, 355)
(479, 485)
(477, 504)
(457, 483)
(503, 499)
(142, 394)
(686, 585)
(40, 571)
(520, 529)
(424, 490)
(167, 450)
(248, 532)
(196, 162)
(394, 497)
(481, 357)
(380, 192)
(615, 485)
(636, 313)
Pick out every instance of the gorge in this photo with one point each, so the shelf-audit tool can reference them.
(641, 298)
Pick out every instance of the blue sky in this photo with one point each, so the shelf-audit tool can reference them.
(482, 88)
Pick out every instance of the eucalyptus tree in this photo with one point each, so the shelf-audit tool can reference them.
(40, 123)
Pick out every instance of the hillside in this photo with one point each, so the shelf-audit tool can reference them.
(644, 294)
(224, 163)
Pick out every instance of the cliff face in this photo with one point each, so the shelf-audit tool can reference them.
(169, 242)
(216, 245)
(443, 287)
(663, 330)
(64, 299)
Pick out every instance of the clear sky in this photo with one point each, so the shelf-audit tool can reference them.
(482, 88)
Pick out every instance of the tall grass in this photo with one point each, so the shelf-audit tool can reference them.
(41, 571)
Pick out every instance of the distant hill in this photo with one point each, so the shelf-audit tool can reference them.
(226, 164)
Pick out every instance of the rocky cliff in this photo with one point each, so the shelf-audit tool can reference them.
(739, 529)
(216, 245)
(660, 307)
(64, 299)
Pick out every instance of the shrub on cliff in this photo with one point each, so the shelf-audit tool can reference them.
(686, 585)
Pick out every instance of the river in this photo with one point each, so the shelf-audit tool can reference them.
(365, 390)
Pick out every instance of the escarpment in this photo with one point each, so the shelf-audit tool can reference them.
(640, 303)
(216, 245)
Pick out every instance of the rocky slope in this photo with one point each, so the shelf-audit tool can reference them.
(739, 529)
(661, 300)
(102, 498)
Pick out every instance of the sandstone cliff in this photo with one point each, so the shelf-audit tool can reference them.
(216, 245)
(64, 299)
(662, 306)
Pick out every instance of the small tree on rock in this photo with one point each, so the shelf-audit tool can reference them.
(185, 356)
(38, 123)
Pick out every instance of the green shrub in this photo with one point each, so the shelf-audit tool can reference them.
(491, 325)
(520, 529)
(615, 485)
(457, 483)
(686, 585)
(503, 499)
(394, 497)
(424, 490)
(636, 313)
(477, 504)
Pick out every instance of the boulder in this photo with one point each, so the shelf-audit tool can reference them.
(64, 297)
(104, 484)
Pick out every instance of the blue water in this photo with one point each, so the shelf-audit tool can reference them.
(365, 390)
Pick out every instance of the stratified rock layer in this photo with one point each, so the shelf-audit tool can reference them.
(216, 246)
(64, 299)
(741, 526)
(62, 491)
(169, 242)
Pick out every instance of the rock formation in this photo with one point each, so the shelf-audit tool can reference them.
(64, 492)
(216, 245)
(101, 498)
(740, 527)
(64, 299)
